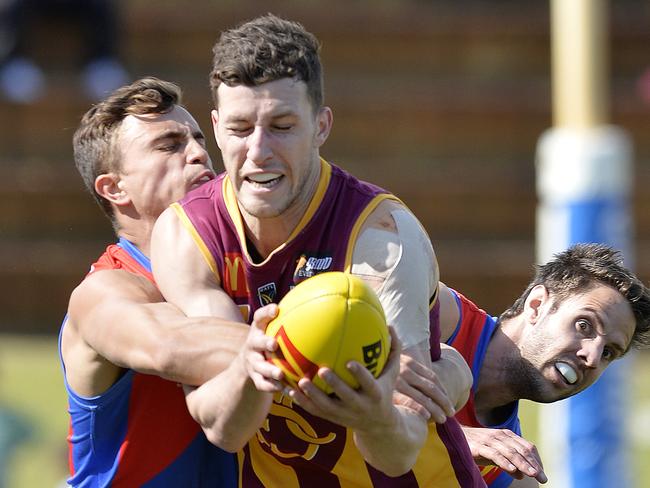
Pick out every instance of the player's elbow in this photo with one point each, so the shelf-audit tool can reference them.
(216, 431)
(404, 462)
(228, 441)
(395, 462)
(460, 382)
(397, 456)
(466, 381)
(398, 467)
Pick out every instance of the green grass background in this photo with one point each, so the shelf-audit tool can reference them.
(31, 383)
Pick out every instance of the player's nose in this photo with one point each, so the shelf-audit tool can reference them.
(591, 353)
(258, 146)
(196, 152)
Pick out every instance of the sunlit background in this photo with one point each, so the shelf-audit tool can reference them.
(441, 102)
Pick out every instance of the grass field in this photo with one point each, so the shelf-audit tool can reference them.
(31, 384)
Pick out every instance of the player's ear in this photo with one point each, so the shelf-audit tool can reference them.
(214, 116)
(534, 303)
(324, 120)
(109, 186)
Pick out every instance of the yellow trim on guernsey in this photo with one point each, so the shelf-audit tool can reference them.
(230, 199)
(187, 223)
(374, 203)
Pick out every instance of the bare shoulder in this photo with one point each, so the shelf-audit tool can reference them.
(392, 234)
(174, 235)
(393, 224)
(170, 230)
(394, 255)
(98, 327)
(382, 216)
(114, 286)
(167, 220)
(100, 296)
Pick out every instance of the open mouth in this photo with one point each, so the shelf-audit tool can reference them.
(201, 180)
(264, 180)
(568, 373)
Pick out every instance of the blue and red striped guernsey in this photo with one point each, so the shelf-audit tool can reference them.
(471, 338)
(139, 432)
(293, 448)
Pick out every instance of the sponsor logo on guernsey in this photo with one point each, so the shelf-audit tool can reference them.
(308, 266)
(266, 293)
(234, 275)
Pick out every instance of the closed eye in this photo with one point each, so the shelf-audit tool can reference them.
(238, 130)
(169, 147)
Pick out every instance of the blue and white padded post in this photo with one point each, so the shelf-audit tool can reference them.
(584, 179)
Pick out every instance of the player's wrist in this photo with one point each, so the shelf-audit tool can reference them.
(379, 426)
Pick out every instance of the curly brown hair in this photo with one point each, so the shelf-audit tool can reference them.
(96, 150)
(266, 49)
(580, 268)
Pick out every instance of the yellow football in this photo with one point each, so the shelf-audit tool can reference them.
(327, 321)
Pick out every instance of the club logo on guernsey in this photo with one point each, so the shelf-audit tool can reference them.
(234, 275)
(307, 266)
(266, 293)
(289, 432)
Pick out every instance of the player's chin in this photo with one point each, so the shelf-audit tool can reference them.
(551, 391)
(260, 208)
(561, 391)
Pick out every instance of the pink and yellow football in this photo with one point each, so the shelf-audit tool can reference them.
(329, 320)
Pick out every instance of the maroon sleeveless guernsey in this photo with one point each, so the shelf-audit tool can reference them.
(294, 448)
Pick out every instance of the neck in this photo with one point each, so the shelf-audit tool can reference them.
(140, 235)
(494, 391)
(267, 234)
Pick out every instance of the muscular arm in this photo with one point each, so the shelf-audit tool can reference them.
(394, 254)
(450, 373)
(211, 403)
(229, 408)
(118, 320)
(183, 273)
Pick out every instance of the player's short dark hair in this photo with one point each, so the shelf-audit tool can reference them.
(580, 268)
(95, 142)
(266, 49)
